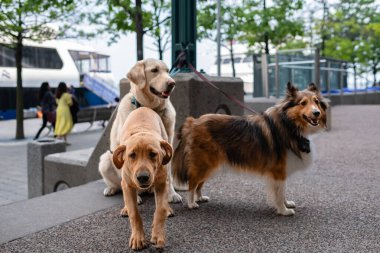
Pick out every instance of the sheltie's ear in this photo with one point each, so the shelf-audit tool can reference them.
(313, 88)
(324, 103)
(291, 91)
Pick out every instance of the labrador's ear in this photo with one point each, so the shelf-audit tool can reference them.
(137, 74)
(168, 152)
(118, 156)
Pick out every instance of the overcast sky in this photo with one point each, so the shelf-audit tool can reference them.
(123, 53)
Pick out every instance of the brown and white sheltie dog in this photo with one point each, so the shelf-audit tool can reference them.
(273, 144)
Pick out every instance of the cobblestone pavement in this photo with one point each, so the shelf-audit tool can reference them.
(13, 167)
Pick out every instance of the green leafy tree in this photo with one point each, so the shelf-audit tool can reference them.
(294, 44)
(160, 29)
(347, 28)
(143, 17)
(275, 24)
(29, 20)
(231, 24)
(370, 53)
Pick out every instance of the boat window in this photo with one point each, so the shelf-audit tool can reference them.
(248, 58)
(90, 62)
(7, 57)
(226, 61)
(237, 59)
(33, 57)
(216, 61)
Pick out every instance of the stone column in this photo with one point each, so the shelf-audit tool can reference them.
(36, 152)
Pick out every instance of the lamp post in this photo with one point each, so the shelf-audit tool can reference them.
(184, 30)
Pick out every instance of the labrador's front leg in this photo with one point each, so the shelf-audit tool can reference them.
(162, 211)
(137, 240)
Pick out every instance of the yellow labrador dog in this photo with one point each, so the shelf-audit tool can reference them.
(142, 156)
(151, 87)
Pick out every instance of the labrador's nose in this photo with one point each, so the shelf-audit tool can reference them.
(143, 177)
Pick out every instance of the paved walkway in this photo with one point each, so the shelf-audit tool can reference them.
(13, 167)
(338, 206)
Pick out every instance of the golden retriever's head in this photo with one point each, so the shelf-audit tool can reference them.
(306, 108)
(152, 75)
(140, 159)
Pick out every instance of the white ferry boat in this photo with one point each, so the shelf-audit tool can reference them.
(56, 61)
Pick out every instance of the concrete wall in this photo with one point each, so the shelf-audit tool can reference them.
(193, 97)
(355, 99)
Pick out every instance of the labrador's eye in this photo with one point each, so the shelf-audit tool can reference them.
(152, 155)
(132, 155)
(155, 70)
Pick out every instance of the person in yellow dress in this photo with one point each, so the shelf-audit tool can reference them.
(64, 121)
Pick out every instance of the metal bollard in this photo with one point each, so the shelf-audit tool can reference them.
(36, 152)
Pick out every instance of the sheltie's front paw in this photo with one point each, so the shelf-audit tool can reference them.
(203, 199)
(290, 204)
(174, 197)
(193, 205)
(286, 212)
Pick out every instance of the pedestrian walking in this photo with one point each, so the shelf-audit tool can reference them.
(48, 106)
(74, 108)
(64, 122)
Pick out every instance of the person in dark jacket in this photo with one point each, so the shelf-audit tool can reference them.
(48, 106)
(74, 108)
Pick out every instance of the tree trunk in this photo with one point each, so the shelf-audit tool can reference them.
(160, 51)
(323, 27)
(374, 72)
(19, 90)
(355, 76)
(139, 30)
(232, 59)
(266, 38)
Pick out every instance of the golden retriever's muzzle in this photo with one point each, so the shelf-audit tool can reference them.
(170, 85)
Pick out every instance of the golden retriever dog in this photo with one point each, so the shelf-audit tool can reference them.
(142, 155)
(273, 144)
(151, 87)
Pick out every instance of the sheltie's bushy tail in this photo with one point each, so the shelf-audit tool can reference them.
(180, 158)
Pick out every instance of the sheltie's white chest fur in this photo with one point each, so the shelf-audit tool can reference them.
(294, 163)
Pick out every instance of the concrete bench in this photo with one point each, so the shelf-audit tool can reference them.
(50, 171)
(68, 169)
(95, 113)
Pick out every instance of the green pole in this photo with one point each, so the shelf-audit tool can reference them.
(184, 30)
